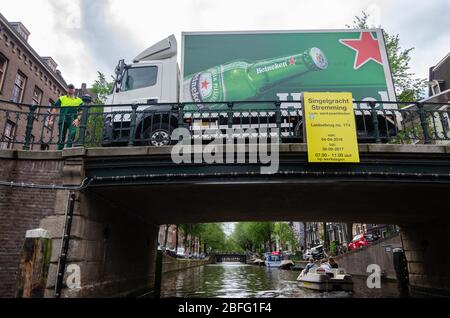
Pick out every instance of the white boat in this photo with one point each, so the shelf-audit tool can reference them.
(318, 279)
(257, 261)
(273, 259)
(287, 264)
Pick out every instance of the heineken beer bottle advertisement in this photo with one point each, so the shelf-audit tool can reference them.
(279, 66)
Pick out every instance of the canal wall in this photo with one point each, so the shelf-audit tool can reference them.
(380, 253)
(171, 264)
(21, 209)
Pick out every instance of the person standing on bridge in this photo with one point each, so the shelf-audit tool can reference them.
(69, 117)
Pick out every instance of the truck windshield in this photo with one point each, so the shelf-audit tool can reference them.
(139, 77)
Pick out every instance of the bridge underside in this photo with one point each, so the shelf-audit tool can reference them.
(398, 184)
(296, 200)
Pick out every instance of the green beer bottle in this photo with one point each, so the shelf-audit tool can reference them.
(239, 81)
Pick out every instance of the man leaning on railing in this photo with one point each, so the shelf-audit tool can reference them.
(69, 117)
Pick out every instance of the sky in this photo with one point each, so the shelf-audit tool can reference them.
(85, 36)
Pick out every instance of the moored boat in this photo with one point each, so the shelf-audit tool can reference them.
(258, 262)
(287, 264)
(273, 259)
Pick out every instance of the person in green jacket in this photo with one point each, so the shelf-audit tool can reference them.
(69, 117)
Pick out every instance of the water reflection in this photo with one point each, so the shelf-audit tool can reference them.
(235, 280)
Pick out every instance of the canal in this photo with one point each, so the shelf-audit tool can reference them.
(236, 280)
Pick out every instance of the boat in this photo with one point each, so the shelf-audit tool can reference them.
(287, 264)
(258, 262)
(297, 268)
(318, 279)
(273, 259)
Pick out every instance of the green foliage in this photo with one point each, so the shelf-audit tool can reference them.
(286, 234)
(211, 234)
(333, 248)
(94, 133)
(102, 88)
(255, 236)
(407, 135)
(408, 87)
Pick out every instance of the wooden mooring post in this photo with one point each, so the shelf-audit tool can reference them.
(34, 265)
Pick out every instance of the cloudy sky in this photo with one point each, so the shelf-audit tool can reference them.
(86, 36)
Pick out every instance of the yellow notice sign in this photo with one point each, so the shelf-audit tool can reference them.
(330, 127)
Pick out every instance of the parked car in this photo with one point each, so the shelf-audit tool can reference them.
(171, 252)
(307, 255)
(361, 241)
(317, 252)
(181, 253)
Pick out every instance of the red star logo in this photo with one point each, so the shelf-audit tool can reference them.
(367, 48)
(205, 84)
(292, 61)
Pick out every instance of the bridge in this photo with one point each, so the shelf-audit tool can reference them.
(230, 257)
(104, 205)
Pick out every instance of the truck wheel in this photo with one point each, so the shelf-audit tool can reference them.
(157, 136)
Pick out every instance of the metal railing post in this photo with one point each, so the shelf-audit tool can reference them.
(181, 118)
(230, 115)
(83, 126)
(29, 128)
(278, 119)
(375, 124)
(133, 126)
(424, 123)
(65, 241)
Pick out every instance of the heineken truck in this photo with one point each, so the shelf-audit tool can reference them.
(238, 79)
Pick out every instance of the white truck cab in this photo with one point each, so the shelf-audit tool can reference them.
(152, 82)
(153, 77)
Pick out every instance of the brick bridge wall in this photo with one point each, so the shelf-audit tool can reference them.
(22, 209)
(113, 246)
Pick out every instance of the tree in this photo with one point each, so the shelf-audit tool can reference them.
(166, 235)
(408, 87)
(211, 235)
(102, 88)
(177, 240)
(255, 236)
(94, 133)
(285, 234)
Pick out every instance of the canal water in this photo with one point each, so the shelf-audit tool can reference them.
(236, 280)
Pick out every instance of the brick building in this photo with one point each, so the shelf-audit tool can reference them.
(440, 77)
(25, 77)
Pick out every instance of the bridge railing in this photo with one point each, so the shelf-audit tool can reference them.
(36, 127)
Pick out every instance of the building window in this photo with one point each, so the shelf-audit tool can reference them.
(19, 87)
(8, 135)
(22, 33)
(3, 65)
(37, 96)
